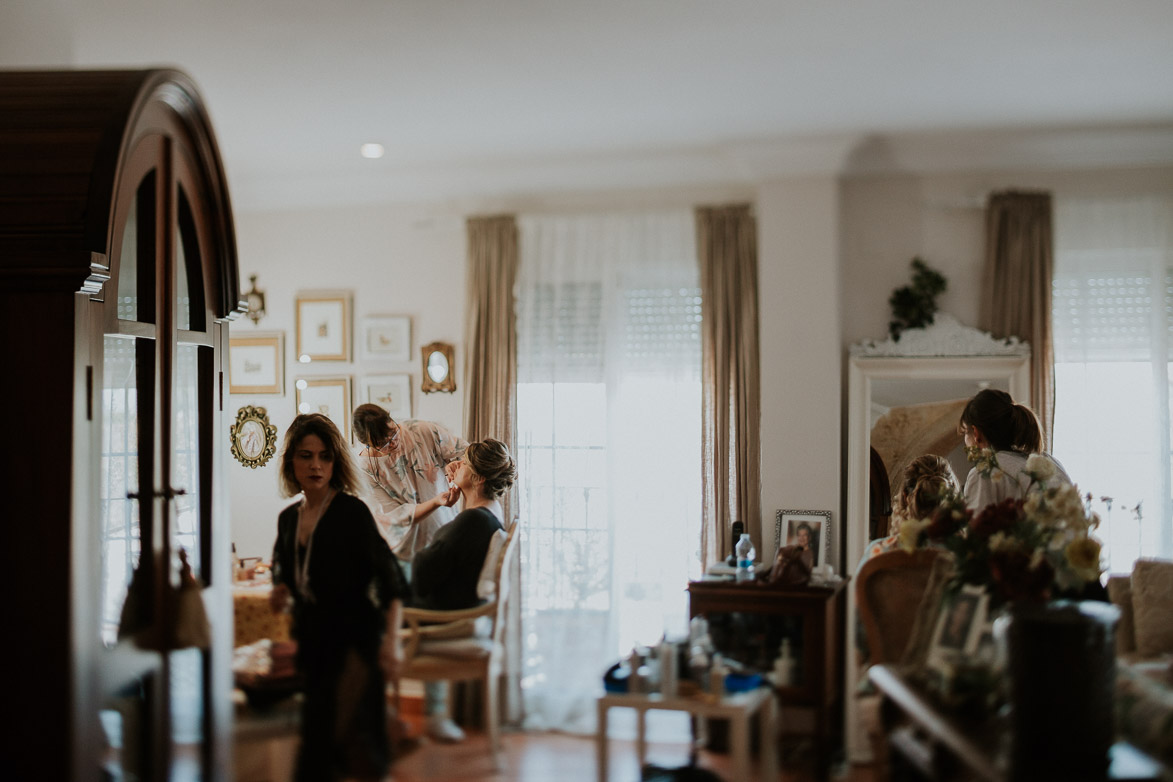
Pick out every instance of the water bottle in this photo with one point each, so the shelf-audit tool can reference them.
(745, 556)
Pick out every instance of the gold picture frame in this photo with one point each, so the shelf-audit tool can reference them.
(256, 363)
(323, 326)
(329, 396)
(439, 367)
(253, 438)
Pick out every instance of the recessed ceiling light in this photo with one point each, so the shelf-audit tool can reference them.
(371, 151)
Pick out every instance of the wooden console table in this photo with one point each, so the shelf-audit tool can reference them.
(819, 611)
(926, 742)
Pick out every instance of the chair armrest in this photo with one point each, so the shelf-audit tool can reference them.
(423, 623)
(417, 616)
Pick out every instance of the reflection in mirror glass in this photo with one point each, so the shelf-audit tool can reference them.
(437, 366)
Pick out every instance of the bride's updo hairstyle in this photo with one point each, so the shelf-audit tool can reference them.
(1005, 425)
(491, 461)
(925, 481)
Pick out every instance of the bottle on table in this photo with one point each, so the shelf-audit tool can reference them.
(745, 556)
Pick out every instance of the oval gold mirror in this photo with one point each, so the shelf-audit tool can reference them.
(438, 368)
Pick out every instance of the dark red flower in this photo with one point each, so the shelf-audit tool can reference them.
(996, 517)
(946, 520)
(1013, 578)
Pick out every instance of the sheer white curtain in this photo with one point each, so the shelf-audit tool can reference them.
(608, 435)
(1112, 313)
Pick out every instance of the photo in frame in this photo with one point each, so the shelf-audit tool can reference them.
(256, 363)
(329, 396)
(386, 337)
(391, 392)
(808, 528)
(961, 622)
(323, 326)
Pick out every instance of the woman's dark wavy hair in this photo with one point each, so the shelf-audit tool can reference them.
(344, 477)
(1007, 426)
(491, 461)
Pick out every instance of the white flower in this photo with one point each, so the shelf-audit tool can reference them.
(1039, 467)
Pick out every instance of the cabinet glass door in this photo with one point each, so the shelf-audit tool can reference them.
(156, 413)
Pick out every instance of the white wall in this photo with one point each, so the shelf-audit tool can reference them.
(395, 261)
(799, 324)
(831, 250)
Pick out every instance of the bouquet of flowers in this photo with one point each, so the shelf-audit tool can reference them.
(1031, 550)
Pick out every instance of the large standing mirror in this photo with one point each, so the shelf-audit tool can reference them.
(904, 400)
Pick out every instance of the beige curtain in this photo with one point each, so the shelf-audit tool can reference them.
(727, 246)
(490, 398)
(1016, 287)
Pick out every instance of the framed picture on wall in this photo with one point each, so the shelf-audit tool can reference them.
(323, 326)
(329, 396)
(256, 363)
(391, 392)
(807, 528)
(386, 337)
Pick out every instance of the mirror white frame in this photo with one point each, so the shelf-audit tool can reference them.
(872, 364)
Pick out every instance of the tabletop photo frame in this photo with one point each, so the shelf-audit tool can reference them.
(323, 326)
(791, 525)
(386, 338)
(256, 363)
(960, 623)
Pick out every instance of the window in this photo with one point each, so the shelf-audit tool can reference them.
(609, 447)
(1112, 311)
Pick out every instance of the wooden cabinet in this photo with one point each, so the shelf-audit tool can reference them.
(816, 614)
(117, 277)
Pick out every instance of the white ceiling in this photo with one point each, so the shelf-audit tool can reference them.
(476, 97)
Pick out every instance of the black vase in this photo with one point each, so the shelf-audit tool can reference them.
(1061, 662)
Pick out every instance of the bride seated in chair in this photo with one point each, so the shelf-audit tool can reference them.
(455, 580)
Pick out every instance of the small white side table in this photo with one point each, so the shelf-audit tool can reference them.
(736, 708)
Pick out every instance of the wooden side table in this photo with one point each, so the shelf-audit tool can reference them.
(820, 611)
(738, 708)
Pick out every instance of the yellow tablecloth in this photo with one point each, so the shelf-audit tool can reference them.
(254, 619)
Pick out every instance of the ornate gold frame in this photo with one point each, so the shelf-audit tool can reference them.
(448, 383)
(253, 438)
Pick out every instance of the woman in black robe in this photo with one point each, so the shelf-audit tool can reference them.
(347, 592)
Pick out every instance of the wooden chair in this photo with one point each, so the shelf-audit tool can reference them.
(466, 644)
(889, 589)
(888, 592)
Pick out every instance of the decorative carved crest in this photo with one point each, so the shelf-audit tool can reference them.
(945, 336)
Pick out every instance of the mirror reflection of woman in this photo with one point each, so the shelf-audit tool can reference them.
(347, 591)
(993, 421)
(924, 482)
